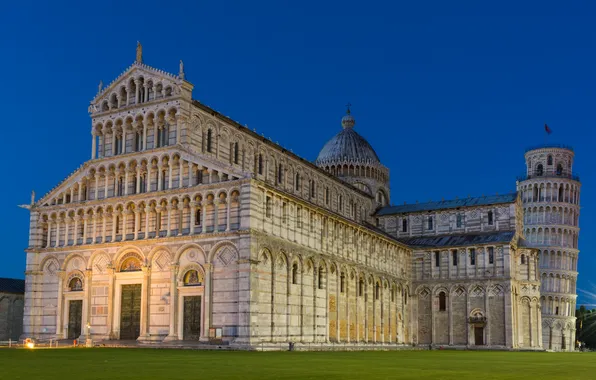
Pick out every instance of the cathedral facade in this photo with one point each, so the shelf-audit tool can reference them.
(187, 226)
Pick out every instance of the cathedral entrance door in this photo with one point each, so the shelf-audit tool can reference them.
(479, 336)
(130, 314)
(192, 318)
(75, 311)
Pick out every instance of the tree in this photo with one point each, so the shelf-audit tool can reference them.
(586, 326)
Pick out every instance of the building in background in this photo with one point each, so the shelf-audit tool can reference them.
(185, 225)
(12, 292)
(550, 194)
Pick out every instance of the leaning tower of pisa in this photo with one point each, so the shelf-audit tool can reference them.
(550, 195)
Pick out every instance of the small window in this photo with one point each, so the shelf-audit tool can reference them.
(549, 161)
(430, 222)
(377, 291)
(404, 225)
(313, 192)
(557, 310)
(490, 218)
(260, 164)
(458, 221)
(342, 283)
(280, 174)
(284, 213)
(442, 301)
(299, 217)
(437, 258)
(454, 256)
(327, 196)
(295, 274)
(340, 201)
(268, 207)
(539, 170)
(321, 278)
(559, 169)
(523, 259)
(491, 255)
(209, 140)
(297, 182)
(472, 256)
(360, 288)
(236, 153)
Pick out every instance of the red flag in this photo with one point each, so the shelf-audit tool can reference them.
(547, 129)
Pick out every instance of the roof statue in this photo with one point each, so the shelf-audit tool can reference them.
(139, 53)
(181, 73)
(32, 196)
(100, 87)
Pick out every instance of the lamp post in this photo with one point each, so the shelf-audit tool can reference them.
(89, 341)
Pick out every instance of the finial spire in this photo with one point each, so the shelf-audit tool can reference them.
(100, 87)
(348, 122)
(139, 53)
(32, 197)
(181, 73)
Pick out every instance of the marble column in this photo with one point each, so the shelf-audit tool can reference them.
(173, 334)
(60, 304)
(145, 303)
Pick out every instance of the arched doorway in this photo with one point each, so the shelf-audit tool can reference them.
(130, 300)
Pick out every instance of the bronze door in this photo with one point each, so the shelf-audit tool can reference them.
(192, 318)
(75, 312)
(479, 336)
(130, 313)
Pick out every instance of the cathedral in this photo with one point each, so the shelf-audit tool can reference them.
(186, 226)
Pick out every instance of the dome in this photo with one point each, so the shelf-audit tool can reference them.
(347, 146)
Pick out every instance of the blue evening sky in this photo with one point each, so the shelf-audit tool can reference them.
(450, 94)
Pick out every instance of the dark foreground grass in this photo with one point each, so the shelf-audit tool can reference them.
(107, 363)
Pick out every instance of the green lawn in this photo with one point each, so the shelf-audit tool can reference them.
(109, 363)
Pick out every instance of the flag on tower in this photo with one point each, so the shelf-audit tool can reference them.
(547, 129)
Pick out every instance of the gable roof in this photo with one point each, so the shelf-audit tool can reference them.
(448, 204)
(458, 240)
(12, 285)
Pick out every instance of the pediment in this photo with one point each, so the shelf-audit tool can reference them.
(137, 76)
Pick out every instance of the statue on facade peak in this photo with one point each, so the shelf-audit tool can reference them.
(139, 53)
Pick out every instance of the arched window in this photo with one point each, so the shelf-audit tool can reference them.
(442, 301)
(327, 195)
(260, 164)
(559, 169)
(75, 284)
(490, 218)
(313, 192)
(297, 182)
(404, 225)
(549, 160)
(342, 282)
(560, 194)
(539, 170)
(209, 140)
(430, 222)
(377, 291)
(361, 287)
(193, 278)
(321, 278)
(523, 259)
(295, 274)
